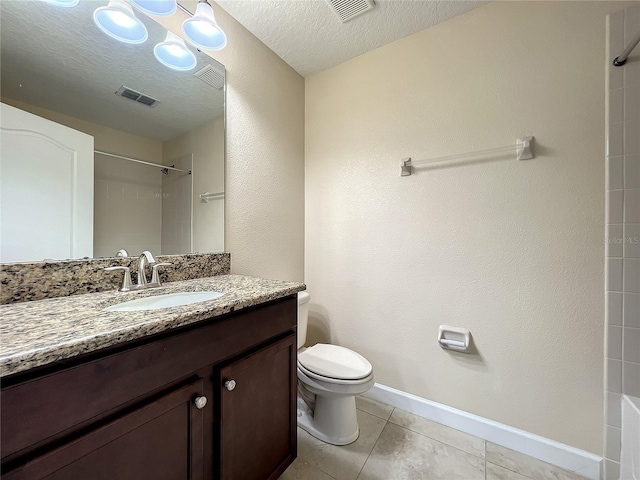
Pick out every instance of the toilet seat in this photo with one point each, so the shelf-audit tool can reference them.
(334, 364)
(331, 380)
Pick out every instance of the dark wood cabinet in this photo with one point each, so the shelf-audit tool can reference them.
(161, 440)
(257, 431)
(136, 411)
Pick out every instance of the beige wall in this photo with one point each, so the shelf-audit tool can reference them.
(511, 250)
(264, 178)
(105, 138)
(206, 143)
(264, 181)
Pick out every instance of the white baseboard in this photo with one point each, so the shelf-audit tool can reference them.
(545, 449)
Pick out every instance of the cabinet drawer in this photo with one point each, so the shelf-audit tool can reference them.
(55, 405)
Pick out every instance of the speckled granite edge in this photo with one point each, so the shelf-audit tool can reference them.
(24, 282)
(34, 334)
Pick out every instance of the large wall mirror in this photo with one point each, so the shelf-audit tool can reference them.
(153, 137)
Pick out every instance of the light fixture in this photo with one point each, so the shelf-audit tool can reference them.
(202, 29)
(63, 3)
(156, 7)
(174, 54)
(118, 21)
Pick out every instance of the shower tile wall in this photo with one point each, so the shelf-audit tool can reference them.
(127, 207)
(622, 373)
(177, 201)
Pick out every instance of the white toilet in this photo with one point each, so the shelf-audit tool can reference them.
(329, 378)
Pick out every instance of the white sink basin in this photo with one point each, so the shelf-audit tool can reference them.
(163, 301)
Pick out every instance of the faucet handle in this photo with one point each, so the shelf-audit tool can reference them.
(126, 281)
(155, 277)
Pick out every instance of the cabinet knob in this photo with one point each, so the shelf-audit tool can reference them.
(200, 402)
(230, 384)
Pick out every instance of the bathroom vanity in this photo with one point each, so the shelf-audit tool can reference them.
(199, 391)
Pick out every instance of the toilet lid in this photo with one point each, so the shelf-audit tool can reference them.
(333, 361)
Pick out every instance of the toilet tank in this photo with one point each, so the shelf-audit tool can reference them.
(303, 317)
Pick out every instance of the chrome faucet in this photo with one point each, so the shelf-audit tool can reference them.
(145, 257)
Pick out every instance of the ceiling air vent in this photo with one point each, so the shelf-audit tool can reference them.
(348, 9)
(131, 94)
(211, 76)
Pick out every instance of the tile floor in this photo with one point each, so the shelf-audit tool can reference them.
(397, 445)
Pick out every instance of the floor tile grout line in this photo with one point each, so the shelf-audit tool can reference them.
(440, 441)
(512, 471)
(319, 467)
(553, 467)
(374, 445)
(370, 413)
(374, 415)
(484, 449)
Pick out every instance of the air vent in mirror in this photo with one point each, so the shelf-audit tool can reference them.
(211, 76)
(131, 94)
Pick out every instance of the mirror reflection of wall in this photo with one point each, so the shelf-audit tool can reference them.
(127, 207)
(58, 65)
(139, 207)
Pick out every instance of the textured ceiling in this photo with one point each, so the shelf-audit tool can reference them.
(308, 35)
(58, 59)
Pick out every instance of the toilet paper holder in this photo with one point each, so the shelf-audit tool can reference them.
(454, 338)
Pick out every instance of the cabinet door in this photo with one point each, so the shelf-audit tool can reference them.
(161, 440)
(258, 413)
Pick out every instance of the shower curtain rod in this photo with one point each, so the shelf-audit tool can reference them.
(161, 167)
(622, 58)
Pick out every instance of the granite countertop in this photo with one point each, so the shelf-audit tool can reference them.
(37, 333)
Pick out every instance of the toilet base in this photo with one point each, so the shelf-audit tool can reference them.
(334, 420)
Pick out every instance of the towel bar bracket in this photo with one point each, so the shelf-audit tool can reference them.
(526, 143)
